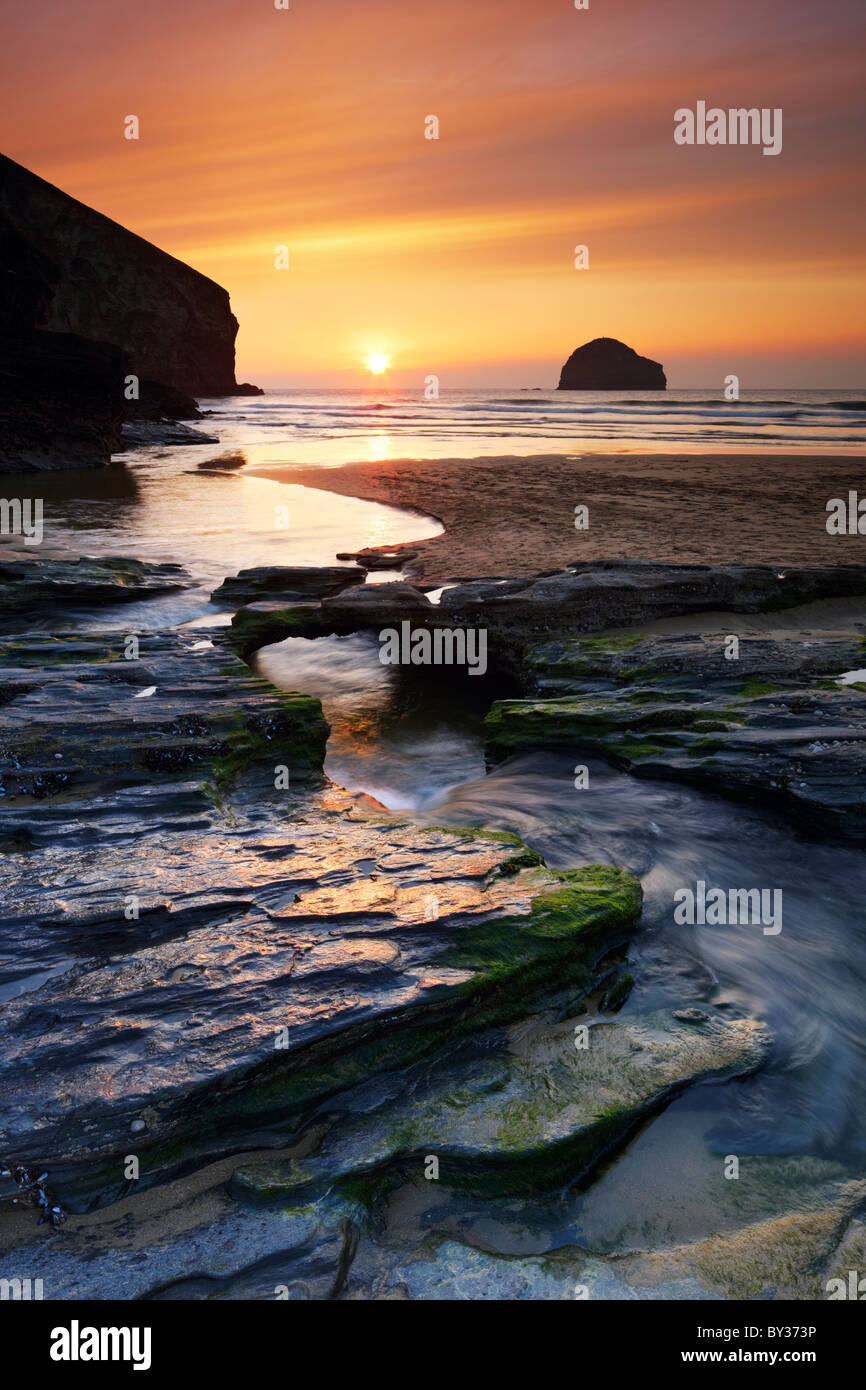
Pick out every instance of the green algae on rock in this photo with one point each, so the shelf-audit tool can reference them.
(514, 1113)
(373, 942)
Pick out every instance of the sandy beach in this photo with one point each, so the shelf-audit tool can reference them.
(510, 515)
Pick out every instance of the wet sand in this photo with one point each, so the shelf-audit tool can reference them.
(510, 515)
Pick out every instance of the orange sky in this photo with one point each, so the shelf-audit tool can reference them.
(305, 127)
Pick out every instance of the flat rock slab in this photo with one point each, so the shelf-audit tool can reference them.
(378, 559)
(223, 1248)
(573, 665)
(367, 938)
(361, 608)
(142, 434)
(793, 1257)
(288, 582)
(395, 598)
(592, 597)
(585, 598)
(75, 712)
(33, 586)
(212, 1248)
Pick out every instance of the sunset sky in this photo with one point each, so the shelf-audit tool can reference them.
(305, 127)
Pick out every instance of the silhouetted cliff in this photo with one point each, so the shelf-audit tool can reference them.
(102, 282)
(84, 304)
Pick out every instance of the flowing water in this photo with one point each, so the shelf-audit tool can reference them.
(807, 983)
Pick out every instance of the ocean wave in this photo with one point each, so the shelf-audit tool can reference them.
(485, 421)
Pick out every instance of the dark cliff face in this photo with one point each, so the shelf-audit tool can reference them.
(61, 396)
(80, 273)
(61, 402)
(606, 364)
(84, 304)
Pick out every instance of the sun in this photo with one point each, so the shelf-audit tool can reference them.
(378, 362)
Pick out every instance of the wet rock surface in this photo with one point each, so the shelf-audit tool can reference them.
(287, 583)
(591, 597)
(184, 894)
(285, 1000)
(362, 607)
(771, 723)
(524, 1109)
(141, 434)
(35, 587)
(556, 667)
(379, 559)
(585, 598)
(369, 942)
(77, 713)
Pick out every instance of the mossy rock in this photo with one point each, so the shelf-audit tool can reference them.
(528, 1111)
(492, 973)
(255, 627)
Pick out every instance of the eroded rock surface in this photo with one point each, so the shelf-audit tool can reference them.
(208, 962)
(180, 898)
(141, 434)
(527, 1108)
(583, 599)
(77, 713)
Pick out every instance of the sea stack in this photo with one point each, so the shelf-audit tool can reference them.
(606, 364)
(84, 305)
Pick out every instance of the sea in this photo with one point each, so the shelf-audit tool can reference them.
(334, 427)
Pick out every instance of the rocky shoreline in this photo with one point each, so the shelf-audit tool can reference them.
(285, 1002)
